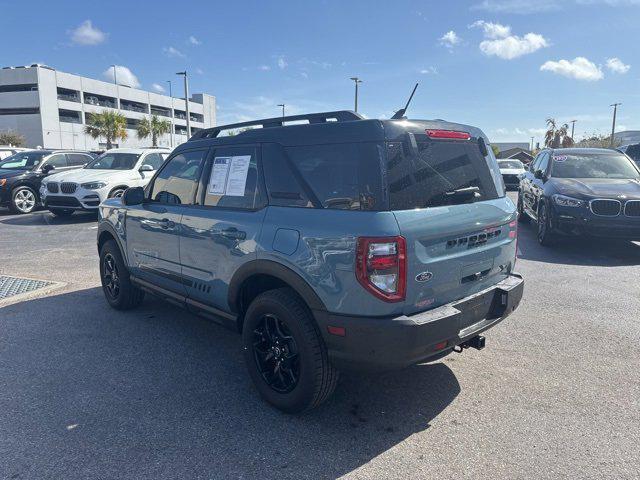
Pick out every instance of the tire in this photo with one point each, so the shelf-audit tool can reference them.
(523, 217)
(280, 335)
(61, 212)
(116, 193)
(120, 293)
(23, 200)
(545, 234)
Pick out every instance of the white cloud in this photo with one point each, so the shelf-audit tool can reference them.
(579, 68)
(450, 39)
(199, 71)
(492, 30)
(157, 87)
(282, 63)
(513, 46)
(617, 66)
(525, 7)
(304, 74)
(123, 75)
(194, 41)
(172, 52)
(87, 34)
(264, 68)
(431, 70)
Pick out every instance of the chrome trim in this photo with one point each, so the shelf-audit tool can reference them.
(605, 200)
(625, 208)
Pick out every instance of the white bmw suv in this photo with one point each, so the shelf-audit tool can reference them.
(107, 176)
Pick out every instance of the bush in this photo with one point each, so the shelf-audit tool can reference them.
(11, 138)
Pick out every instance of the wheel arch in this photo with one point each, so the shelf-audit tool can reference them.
(105, 233)
(259, 276)
(119, 187)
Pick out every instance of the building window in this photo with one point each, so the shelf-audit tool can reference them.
(132, 123)
(69, 116)
(23, 87)
(19, 111)
(196, 117)
(133, 106)
(180, 114)
(165, 112)
(100, 100)
(180, 130)
(68, 95)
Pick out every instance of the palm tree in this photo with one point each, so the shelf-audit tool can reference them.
(153, 128)
(556, 137)
(111, 125)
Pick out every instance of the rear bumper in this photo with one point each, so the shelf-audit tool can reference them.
(389, 343)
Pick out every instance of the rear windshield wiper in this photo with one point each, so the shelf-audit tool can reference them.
(467, 193)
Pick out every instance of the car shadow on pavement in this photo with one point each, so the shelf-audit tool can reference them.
(586, 251)
(160, 393)
(44, 217)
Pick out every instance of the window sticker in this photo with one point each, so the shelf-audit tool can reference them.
(559, 158)
(219, 174)
(237, 178)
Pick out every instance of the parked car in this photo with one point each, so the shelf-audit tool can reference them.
(632, 151)
(343, 243)
(7, 151)
(109, 175)
(581, 191)
(511, 170)
(22, 173)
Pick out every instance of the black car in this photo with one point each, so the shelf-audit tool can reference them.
(581, 191)
(632, 151)
(22, 173)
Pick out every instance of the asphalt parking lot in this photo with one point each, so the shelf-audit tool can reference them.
(88, 392)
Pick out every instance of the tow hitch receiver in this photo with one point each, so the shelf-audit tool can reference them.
(476, 342)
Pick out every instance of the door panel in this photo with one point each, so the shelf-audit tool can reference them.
(222, 232)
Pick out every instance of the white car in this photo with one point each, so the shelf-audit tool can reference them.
(511, 170)
(8, 151)
(107, 176)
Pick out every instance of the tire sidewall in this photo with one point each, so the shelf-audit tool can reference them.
(112, 193)
(15, 193)
(110, 248)
(303, 392)
(548, 234)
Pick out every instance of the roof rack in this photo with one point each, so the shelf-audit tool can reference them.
(338, 116)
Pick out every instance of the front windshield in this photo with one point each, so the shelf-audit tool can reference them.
(593, 165)
(23, 160)
(114, 161)
(511, 164)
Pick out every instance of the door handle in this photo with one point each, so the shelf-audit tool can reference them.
(166, 224)
(233, 233)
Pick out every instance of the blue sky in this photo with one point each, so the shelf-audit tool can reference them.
(503, 65)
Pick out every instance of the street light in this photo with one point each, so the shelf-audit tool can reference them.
(171, 111)
(573, 127)
(613, 126)
(186, 101)
(356, 80)
(282, 105)
(115, 82)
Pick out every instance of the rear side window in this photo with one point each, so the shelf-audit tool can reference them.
(153, 159)
(333, 176)
(426, 177)
(77, 159)
(58, 161)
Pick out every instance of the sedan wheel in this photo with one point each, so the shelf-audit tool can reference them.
(117, 193)
(545, 231)
(24, 200)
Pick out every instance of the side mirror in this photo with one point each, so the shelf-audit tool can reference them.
(133, 196)
(47, 169)
(538, 174)
(146, 168)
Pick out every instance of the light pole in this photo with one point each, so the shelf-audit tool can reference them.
(531, 149)
(613, 126)
(171, 116)
(356, 80)
(282, 105)
(186, 101)
(115, 82)
(573, 127)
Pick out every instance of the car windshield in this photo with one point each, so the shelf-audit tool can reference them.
(634, 152)
(23, 160)
(511, 164)
(593, 165)
(114, 161)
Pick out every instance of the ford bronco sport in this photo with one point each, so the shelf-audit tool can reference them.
(338, 243)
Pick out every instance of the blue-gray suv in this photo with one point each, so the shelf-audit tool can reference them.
(328, 240)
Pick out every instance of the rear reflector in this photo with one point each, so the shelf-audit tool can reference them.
(339, 331)
(450, 134)
(440, 346)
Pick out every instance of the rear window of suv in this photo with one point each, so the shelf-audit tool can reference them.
(422, 178)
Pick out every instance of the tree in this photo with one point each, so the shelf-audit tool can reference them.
(598, 140)
(110, 125)
(11, 138)
(154, 128)
(496, 150)
(556, 137)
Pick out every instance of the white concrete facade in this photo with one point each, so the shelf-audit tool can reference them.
(50, 108)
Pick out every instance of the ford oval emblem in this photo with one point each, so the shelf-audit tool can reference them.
(424, 277)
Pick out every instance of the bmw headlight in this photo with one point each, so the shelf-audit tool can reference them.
(564, 201)
(93, 185)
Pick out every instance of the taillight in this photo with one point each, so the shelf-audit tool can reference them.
(450, 134)
(381, 264)
(513, 233)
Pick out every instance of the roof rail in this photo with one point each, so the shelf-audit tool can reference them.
(338, 116)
